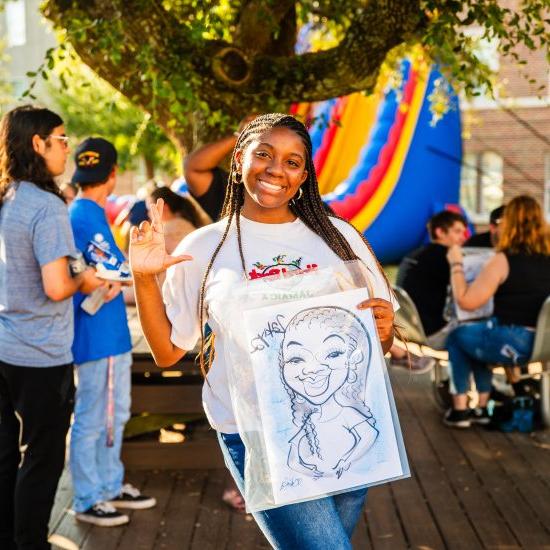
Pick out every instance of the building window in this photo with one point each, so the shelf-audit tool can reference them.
(491, 167)
(468, 182)
(16, 28)
(547, 185)
(481, 183)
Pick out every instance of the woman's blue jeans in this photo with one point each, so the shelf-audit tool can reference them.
(322, 524)
(473, 346)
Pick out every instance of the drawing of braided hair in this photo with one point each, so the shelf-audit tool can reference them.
(352, 393)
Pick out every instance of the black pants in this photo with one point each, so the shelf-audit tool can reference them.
(35, 410)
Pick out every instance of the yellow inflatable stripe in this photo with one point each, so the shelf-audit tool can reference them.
(372, 209)
(358, 117)
(302, 110)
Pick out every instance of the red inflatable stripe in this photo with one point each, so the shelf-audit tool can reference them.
(329, 135)
(351, 205)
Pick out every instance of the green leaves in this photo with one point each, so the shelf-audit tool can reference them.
(160, 53)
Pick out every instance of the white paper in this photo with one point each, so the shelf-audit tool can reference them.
(324, 406)
(474, 260)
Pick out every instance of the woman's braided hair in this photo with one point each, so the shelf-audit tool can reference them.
(307, 206)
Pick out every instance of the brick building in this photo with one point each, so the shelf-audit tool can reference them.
(507, 140)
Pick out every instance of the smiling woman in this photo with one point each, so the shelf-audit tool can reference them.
(273, 170)
(272, 216)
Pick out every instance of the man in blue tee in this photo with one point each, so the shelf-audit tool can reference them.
(101, 349)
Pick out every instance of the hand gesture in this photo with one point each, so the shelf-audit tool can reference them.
(148, 254)
(382, 311)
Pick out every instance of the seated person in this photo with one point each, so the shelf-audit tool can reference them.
(518, 279)
(488, 239)
(424, 273)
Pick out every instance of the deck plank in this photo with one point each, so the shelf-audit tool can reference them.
(361, 539)
(142, 533)
(212, 526)
(383, 522)
(519, 518)
(451, 520)
(182, 510)
(535, 493)
(470, 489)
(485, 518)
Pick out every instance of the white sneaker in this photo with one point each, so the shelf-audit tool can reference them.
(103, 514)
(131, 498)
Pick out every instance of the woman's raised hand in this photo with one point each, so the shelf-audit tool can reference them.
(148, 254)
(454, 254)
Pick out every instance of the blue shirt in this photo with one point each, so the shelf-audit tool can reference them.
(35, 331)
(106, 333)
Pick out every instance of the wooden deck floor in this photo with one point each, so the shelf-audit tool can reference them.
(469, 489)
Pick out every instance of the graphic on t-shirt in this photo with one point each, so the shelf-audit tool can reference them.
(98, 251)
(278, 264)
(108, 265)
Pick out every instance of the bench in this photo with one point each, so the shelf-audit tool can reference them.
(410, 324)
(170, 391)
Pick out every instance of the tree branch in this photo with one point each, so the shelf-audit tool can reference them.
(165, 65)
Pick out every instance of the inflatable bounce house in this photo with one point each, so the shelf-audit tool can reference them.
(389, 161)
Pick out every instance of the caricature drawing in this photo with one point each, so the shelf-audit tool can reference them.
(324, 358)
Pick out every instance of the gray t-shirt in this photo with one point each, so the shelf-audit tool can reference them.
(34, 230)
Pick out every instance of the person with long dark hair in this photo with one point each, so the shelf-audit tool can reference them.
(517, 277)
(36, 322)
(272, 213)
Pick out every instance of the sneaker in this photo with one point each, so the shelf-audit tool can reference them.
(418, 365)
(131, 498)
(479, 415)
(103, 514)
(457, 419)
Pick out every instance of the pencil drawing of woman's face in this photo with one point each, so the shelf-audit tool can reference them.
(315, 361)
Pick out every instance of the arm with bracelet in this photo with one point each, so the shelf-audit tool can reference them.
(472, 296)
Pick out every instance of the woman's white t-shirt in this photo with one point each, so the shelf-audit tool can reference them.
(266, 248)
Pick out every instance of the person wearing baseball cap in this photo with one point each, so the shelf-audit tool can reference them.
(95, 159)
(101, 349)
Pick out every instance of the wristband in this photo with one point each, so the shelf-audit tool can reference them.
(77, 264)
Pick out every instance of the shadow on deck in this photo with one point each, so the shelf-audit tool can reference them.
(469, 489)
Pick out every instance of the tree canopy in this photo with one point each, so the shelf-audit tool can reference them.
(199, 66)
(89, 106)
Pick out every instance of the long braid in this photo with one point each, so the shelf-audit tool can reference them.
(308, 207)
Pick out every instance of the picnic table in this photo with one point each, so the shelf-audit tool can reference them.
(169, 391)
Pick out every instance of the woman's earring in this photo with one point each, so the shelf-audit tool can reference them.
(298, 196)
